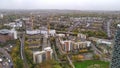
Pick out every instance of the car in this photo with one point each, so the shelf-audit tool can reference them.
(9, 60)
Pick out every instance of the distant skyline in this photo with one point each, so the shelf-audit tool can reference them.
(61, 4)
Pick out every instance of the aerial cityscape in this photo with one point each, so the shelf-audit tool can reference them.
(59, 34)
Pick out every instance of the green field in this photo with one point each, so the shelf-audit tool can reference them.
(91, 64)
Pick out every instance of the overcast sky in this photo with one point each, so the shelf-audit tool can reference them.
(61, 4)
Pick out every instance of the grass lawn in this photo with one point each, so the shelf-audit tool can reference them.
(91, 64)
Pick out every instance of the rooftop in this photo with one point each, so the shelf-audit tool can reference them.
(4, 31)
(118, 25)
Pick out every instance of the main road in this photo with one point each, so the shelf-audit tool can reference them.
(73, 26)
(45, 43)
(98, 52)
(58, 44)
(22, 52)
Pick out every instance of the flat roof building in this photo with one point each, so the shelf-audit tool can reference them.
(40, 56)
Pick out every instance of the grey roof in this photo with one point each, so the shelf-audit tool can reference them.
(4, 31)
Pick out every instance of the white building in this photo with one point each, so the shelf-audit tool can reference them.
(1, 16)
(49, 53)
(82, 36)
(105, 42)
(14, 24)
(40, 56)
(82, 44)
(44, 32)
(60, 35)
(14, 32)
(32, 32)
(69, 45)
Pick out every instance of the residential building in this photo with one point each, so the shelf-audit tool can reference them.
(81, 36)
(49, 52)
(13, 33)
(67, 45)
(16, 24)
(93, 39)
(40, 56)
(1, 16)
(81, 45)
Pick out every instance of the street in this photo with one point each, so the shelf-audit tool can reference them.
(22, 52)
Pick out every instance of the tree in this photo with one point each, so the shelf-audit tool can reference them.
(57, 66)
(15, 54)
(96, 57)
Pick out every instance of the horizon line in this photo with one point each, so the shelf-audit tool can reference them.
(59, 9)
